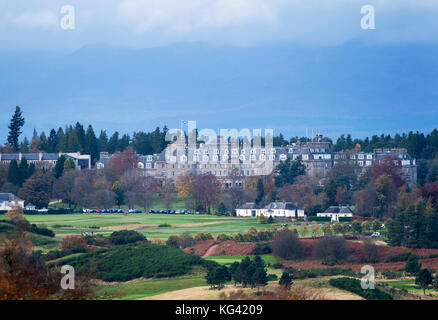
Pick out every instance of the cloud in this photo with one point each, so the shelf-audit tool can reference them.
(33, 19)
(192, 15)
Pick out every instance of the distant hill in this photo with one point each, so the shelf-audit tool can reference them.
(351, 88)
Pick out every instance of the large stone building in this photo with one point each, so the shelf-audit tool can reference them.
(82, 161)
(231, 163)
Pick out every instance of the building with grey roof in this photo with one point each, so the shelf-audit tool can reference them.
(9, 200)
(334, 212)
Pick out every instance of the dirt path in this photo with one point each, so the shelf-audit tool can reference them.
(195, 293)
(209, 251)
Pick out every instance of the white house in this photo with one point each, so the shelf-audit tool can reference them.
(334, 212)
(283, 210)
(249, 209)
(274, 209)
(8, 200)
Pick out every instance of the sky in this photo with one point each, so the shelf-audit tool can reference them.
(36, 49)
(35, 24)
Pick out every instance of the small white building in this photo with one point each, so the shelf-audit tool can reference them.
(249, 209)
(8, 200)
(274, 209)
(334, 212)
(283, 210)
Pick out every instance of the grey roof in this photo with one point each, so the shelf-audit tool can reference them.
(30, 156)
(9, 197)
(338, 209)
(281, 205)
(249, 205)
(10, 156)
(50, 156)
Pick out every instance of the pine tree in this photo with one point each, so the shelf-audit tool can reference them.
(59, 167)
(103, 141)
(17, 122)
(23, 170)
(260, 191)
(14, 173)
(113, 143)
(91, 144)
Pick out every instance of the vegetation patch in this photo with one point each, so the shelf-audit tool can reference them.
(353, 285)
(127, 262)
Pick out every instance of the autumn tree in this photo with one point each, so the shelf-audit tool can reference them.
(37, 190)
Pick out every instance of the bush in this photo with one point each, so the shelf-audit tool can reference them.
(319, 219)
(73, 242)
(369, 251)
(331, 250)
(286, 245)
(126, 236)
(399, 257)
(272, 277)
(164, 225)
(42, 231)
(277, 265)
(390, 274)
(262, 248)
(353, 285)
(135, 260)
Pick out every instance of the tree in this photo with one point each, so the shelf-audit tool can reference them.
(412, 266)
(357, 227)
(286, 245)
(120, 194)
(17, 122)
(14, 175)
(260, 191)
(303, 229)
(259, 278)
(91, 144)
(37, 190)
(59, 166)
(261, 219)
(69, 164)
(221, 209)
(287, 171)
(315, 228)
(285, 280)
(331, 250)
(424, 279)
(217, 276)
(327, 229)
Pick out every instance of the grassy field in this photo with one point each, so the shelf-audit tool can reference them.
(149, 287)
(146, 224)
(410, 286)
(228, 260)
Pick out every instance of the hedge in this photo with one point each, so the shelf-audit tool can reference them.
(344, 219)
(353, 285)
(50, 211)
(321, 219)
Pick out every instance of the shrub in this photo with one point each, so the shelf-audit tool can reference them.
(390, 274)
(353, 285)
(42, 231)
(126, 236)
(331, 250)
(272, 277)
(135, 260)
(286, 245)
(203, 236)
(399, 257)
(369, 251)
(261, 248)
(164, 225)
(73, 242)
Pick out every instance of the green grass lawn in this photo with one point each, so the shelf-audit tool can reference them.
(410, 286)
(228, 260)
(149, 287)
(78, 223)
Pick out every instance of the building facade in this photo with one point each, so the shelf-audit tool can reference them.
(231, 163)
(274, 209)
(9, 200)
(47, 160)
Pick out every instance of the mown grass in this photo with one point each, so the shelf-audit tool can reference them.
(149, 287)
(410, 286)
(78, 223)
(228, 260)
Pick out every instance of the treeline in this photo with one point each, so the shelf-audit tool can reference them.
(419, 145)
(77, 138)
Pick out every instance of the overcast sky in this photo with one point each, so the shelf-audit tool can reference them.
(35, 24)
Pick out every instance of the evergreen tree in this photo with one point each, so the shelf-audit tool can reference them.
(113, 143)
(91, 145)
(69, 164)
(14, 173)
(103, 141)
(424, 279)
(17, 122)
(412, 266)
(23, 170)
(285, 280)
(52, 142)
(288, 170)
(24, 146)
(260, 191)
(59, 167)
